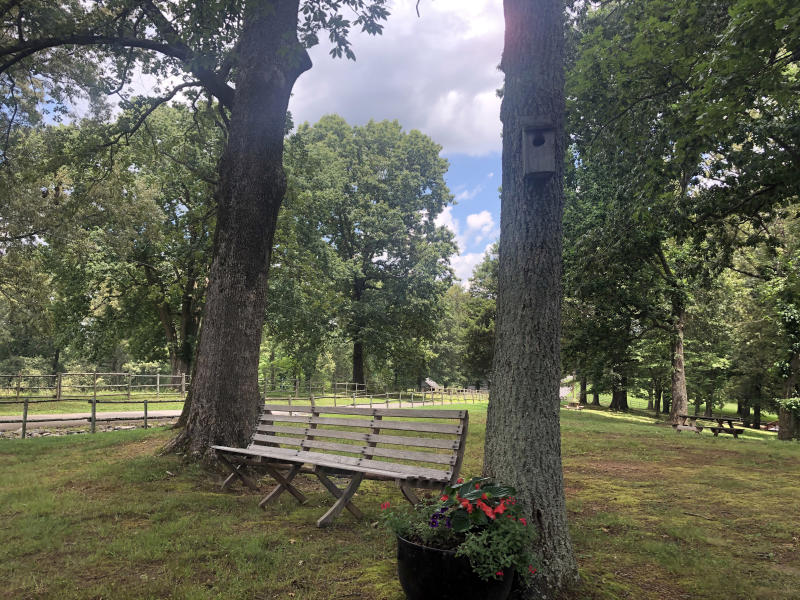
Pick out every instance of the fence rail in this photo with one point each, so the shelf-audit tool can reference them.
(97, 389)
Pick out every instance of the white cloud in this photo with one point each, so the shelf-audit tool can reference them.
(468, 194)
(464, 264)
(437, 73)
(446, 219)
(481, 221)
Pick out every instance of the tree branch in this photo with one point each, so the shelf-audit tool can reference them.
(153, 106)
(180, 51)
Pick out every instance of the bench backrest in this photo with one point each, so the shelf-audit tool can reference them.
(426, 442)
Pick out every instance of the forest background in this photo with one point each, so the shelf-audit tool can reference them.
(681, 226)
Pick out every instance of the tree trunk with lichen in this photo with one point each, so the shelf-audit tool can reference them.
(225, 398)
(523, 442)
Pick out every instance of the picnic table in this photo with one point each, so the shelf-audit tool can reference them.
(723, 424)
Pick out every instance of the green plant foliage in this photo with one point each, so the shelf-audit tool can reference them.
(479, 519)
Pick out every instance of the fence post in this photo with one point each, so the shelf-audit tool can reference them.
(183, 386)
(94, 402)
(145, 411)
(158, 387)
(58, 387)
(130, 381)
(24, 407)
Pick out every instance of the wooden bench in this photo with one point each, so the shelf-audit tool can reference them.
(732, 430)
(354, 442)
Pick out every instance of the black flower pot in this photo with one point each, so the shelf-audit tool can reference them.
(433, 574)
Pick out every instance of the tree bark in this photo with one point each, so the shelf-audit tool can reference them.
(225, 397)
(358, 362)
(788, 426)
(523, 442)
(658, 391)
(595, 395)
(680, 401)
(582, 393)
(619, 395)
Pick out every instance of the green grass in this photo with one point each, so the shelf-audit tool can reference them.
(653, 514)
(639, 403)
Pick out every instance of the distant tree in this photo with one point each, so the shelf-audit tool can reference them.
(482, 312)
(245, 56)
(133, 266)
(373, 194)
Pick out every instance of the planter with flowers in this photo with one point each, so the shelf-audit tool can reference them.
(468, 544)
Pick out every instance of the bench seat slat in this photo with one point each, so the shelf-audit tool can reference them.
(420, 413)
(430, 457)
(363, 450)
(361, 465)
(399, 440)
(395, 425)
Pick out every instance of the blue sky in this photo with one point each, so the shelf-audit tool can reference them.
(475, 216)
(436, 73)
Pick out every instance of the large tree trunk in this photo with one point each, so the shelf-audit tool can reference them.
(225, 398)
(680, 401)
(358, 362)
(595, 395)
(619, 394)
(658, 391)
(523, 442)
(788, 425)
(582, 393)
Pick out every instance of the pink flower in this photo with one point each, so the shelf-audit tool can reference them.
(385, 505)
(499, 573)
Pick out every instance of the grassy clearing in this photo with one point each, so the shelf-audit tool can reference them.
(639, 403)
(84, 405)
(654, 514)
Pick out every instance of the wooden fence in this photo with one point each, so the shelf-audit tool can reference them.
(96, 389)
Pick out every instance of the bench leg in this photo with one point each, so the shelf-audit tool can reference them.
(284, 484)
(344, 500)
(337, 493)
(237, 471)
(408, 492)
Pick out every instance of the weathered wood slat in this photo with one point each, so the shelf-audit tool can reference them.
(277, 439)
(399, 440)
(365, 411)
(361, 465)
(359, 423)
(429, 457)
(363, 450)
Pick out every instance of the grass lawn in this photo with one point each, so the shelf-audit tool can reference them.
(654, 514)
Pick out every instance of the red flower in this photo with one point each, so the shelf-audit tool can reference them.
(484, 497)
(466, 504)
(499, 573)
(500, 509)
(485, 508)
(444, 498)
(523, 521)
(460, 480)
(477, 486)
(531, 570)
(385, 505)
